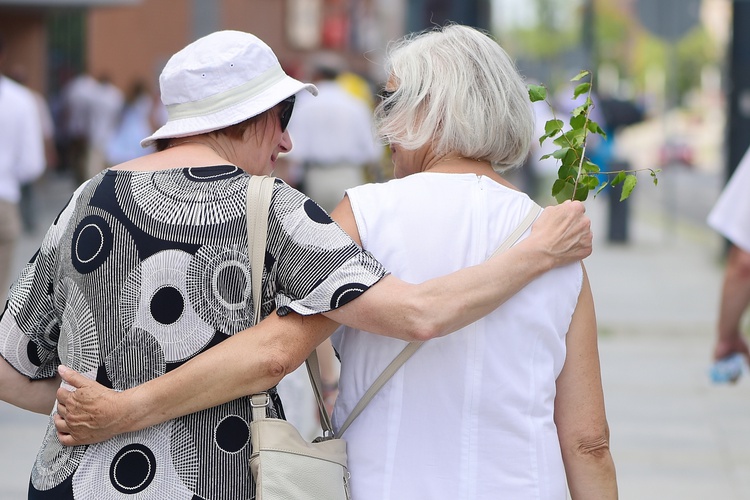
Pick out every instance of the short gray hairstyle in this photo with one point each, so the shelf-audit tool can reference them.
(458, 89)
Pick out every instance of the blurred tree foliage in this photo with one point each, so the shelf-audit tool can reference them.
(619, 40)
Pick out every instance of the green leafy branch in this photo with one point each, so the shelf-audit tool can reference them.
(578, 175)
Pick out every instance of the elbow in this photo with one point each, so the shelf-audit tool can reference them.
(593, 449)
(427, 331)
(422, 327)
(422, 324)
(275, 365)
(592, 446)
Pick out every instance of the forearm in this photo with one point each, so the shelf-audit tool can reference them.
(251, 361)
(33, 395)
(445, 304)
(591, 472)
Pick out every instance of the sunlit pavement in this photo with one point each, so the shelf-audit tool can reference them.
(674, 435)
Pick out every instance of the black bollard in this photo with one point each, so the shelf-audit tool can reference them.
(618, 210)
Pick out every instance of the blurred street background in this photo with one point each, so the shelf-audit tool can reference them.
(672, 82)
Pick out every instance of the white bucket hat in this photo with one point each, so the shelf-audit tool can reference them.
(220, 80)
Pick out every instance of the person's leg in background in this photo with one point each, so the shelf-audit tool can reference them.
(735, 299)
(10, 231)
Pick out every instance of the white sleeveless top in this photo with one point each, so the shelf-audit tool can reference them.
(470, 415)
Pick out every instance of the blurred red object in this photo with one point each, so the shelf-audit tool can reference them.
(676, 152)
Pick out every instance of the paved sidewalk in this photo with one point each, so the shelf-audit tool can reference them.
(674, 435)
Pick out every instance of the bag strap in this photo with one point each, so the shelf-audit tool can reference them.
(412, 347)
(259, 191)
(258, 201)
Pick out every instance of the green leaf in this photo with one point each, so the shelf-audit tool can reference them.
(582, 192)
(578, 121)
(583, 108)
(572, 158)
(558, 186)
(591, 181)
(580, 75)
(627, 186)
(537, 93)
(594, 128)
(653, 176)
(601, 187)
(560, 153)
(618, 179)
(581, 88)
(553, 126)
(592, 168)
(566, 193)
(544, 157)
(566, 172)
(573, 137)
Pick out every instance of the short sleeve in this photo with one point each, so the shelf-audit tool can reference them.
(315, 265)
(30, 328)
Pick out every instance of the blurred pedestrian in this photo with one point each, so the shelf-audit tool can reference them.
(75, 104)
(333, 136)
(730, 216)
(27, 205)
(136, 121)
(21, 161)
(334, 144)
(106, 102)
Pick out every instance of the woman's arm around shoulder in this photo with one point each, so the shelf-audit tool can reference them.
(579, 409)
(392, 307)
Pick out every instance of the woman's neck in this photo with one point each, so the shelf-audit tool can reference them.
(461, 165)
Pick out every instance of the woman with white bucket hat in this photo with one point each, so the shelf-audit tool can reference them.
(147, 267)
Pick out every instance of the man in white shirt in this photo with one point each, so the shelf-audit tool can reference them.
(106, 102)
(21, 161)
(333, 138)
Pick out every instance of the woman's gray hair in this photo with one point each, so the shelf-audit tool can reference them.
(457, 88)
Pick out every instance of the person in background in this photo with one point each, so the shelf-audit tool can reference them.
(730, 217)
(136, 121)
(334, 141)
(75, 121)
(106, 106)
(147, 267)
(334, 148)
(27, 205)
(22, 161)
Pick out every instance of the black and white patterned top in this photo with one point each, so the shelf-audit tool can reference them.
(141, 272)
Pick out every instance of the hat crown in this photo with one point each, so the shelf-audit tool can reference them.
(214, 64)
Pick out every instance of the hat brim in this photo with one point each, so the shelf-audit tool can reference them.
(231, 115)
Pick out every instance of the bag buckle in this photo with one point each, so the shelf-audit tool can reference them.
(260, 400)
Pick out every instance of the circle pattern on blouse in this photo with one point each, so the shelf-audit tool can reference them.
(232, 434)
(322, 235)
(136, 359)
(347, 293)
(162, 203)
(139, 465)
(78, 346)
(132, 469)
(155, 299)
(55, 462)
(18, 348)
(91, 244)
(219, 287)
